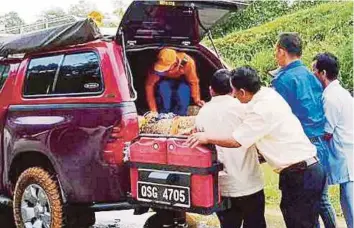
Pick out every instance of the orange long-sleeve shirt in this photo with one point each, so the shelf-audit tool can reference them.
(189, 70)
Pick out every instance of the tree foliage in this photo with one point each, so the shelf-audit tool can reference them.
(325, 27)
(82, 8)
(119, 8)
(259, 12)
(53, 13)
(12, 19)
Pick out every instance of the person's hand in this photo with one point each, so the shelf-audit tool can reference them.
(327, 136)
(197, 139)
(200, 103)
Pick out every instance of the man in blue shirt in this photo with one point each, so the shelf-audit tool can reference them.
(303, 92)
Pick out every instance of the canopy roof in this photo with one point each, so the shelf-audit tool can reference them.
(70, 34)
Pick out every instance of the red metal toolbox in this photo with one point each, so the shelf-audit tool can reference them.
(147, 150)
(200, 157)
(186, 179)
(180, 154)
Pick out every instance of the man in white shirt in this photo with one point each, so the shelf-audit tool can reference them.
(270, 124)
(241, 180)
(338, 106)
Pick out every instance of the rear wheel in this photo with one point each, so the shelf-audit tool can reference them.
(38, 204)
(37, 201)
(167, 219)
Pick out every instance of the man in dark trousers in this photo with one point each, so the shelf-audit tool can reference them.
(241, 181)
(270, 124)
(303, 92)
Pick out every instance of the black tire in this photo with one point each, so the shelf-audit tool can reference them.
(6, 217)
(60, 217)
(153, 221)
(164, 219)
(80, 218)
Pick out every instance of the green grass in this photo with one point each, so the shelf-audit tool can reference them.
(273, 194)
(326, 27)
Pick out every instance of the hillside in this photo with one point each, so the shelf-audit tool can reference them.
(325, 27)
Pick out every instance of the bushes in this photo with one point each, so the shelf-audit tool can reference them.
(259, 12)
(325, 27)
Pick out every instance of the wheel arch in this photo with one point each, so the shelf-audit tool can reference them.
(28, 159)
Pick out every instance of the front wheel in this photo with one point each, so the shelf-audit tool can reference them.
(37, 201)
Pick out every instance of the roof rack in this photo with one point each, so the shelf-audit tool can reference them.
(50, 39)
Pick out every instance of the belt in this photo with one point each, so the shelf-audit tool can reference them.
(301, 165)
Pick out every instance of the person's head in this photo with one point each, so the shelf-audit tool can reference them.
(288, 48)
(220, 83)
(325, 67)
(245, 82)
(166, 60)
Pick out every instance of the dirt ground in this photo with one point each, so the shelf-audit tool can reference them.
(126, 219)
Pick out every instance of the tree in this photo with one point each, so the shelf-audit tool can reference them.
(82, 8)
(119, 8)
(13, 19)
(53, 13)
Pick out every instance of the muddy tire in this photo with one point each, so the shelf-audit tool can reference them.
(37, 199)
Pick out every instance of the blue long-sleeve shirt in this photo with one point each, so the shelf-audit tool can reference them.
(303, 92)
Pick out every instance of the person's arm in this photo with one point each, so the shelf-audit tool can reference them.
(253, 128)
(151, 81)
(199, 120)
(332, 113)
(193, 80)
(201, 138)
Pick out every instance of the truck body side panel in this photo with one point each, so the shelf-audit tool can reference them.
(72, 131)
(5, 99)
(73, 138)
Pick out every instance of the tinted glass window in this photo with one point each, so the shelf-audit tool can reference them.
(40, 75)
(4, 73)
(79, 73)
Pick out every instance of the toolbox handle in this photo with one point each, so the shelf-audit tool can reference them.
(209, 146)
(147, 143)
(163, 136)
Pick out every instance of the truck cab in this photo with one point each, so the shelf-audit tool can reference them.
(69, 112)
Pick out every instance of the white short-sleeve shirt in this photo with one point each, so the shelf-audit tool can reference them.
(338, 106)
(270, 124)
(241, 175)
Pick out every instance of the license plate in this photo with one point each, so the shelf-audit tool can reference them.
(164, 194)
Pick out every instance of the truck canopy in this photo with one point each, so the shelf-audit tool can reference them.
(147, 22)
(71, 34)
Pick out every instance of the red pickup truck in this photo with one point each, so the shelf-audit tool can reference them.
(69, 132)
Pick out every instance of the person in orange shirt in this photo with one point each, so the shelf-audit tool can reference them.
(175, 77)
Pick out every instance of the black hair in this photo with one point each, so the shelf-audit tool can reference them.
(291, 43)
(220, 82)
(246, 78)
(328, 62)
